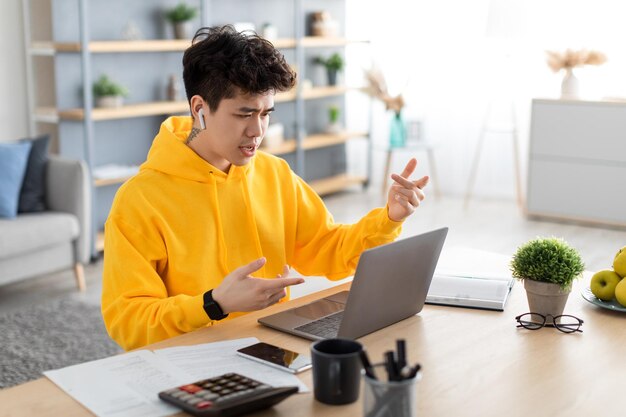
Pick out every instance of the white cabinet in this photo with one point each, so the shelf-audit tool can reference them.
(577, 163)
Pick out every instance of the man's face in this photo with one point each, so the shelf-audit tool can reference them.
(235, 131)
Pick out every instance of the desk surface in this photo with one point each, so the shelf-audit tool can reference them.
(475, 363)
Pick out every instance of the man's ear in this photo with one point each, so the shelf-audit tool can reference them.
(197, 110)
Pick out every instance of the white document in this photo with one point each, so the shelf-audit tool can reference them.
(127, 385)
(121, 386)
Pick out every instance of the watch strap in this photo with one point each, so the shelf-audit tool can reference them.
(212, 308)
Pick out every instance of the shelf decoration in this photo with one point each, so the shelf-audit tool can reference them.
(569, 60)
(322, 24)
(334, 126)
(108, 94)
(180, 17)
(274, 136)
(377, 87)
(333, 65)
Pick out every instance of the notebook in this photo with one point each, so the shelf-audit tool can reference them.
(486, 292)
(390, 284)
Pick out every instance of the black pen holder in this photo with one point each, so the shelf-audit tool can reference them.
(382, 398)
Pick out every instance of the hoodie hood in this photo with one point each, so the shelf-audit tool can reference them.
(170, 155)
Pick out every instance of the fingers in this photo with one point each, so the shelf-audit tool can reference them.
(285, 272)
(409, 168)
(244, 271)
(412, 196)
(276, 283)
(422, 182)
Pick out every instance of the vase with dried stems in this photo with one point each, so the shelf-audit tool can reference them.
(377, 87)
(569, 60)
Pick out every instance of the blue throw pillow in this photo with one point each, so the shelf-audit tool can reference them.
(33, 192)
(13, 159)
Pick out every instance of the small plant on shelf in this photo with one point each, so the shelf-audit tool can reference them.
(333, 64)
(180, 17)
(333, 118)
(108, 93)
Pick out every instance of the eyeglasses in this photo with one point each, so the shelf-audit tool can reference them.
(535, 321)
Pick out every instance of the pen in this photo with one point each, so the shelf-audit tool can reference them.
(414, 371)
(390, 365)
(369, 371)
(401, 354)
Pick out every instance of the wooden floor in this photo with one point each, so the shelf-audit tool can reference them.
(491, 225)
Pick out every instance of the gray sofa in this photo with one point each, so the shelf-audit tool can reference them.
(33, 244)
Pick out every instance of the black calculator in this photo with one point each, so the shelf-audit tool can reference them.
(226, 395)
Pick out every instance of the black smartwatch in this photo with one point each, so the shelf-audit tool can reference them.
(212, 309)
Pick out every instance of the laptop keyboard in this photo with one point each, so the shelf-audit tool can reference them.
(326, 327)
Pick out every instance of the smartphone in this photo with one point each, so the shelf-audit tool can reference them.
(277, 357)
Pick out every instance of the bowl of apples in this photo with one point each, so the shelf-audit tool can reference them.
(607, 288)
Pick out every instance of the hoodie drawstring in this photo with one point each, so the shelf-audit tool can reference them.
(257, 240)
(223, 250)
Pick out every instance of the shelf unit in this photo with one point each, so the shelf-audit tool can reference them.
(295, 150)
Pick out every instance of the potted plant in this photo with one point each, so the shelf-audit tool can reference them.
(548, 266)
(108, 93)
(180, 17)
(333, 119)
(333, 64)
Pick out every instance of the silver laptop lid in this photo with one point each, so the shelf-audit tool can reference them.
(391, 283)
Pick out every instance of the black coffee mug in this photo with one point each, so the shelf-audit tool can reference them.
(336, 370)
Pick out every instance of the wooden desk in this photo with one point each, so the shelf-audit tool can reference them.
(475, 363)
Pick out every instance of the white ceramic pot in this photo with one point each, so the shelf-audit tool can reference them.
(109, 101)
(570, 85)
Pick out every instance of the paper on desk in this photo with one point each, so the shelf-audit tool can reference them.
(128, 385)
(213, 359)
(124, 385)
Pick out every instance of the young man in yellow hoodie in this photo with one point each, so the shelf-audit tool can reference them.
(205, 231)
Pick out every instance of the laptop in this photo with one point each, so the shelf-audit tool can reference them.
(390, 284)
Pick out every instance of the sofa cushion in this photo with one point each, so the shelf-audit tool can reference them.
(13, 158)
(33, 192)
(32, 231)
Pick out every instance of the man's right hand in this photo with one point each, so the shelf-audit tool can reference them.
(241, 292)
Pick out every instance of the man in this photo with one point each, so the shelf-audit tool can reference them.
(205, 231)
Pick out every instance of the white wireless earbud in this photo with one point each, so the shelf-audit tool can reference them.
(201, 117)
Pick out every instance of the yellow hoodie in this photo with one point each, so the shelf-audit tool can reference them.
(178, 227)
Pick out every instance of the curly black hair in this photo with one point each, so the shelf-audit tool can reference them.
(221, 62)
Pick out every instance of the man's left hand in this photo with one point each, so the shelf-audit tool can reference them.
(405, 195)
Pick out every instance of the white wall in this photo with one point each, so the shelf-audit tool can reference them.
(438, 55)
(13, 104)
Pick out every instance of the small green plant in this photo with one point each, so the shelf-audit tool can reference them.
(181, 13)
(105, 87)
(332, 63)
(333, 114)
(549, 260)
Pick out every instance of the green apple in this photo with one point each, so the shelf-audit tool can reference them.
(603, 284)
(619, 263)
(620, 292)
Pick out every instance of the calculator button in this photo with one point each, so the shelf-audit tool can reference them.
(210, 396)
(194, 401)
(191, 388)
(204, 404)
